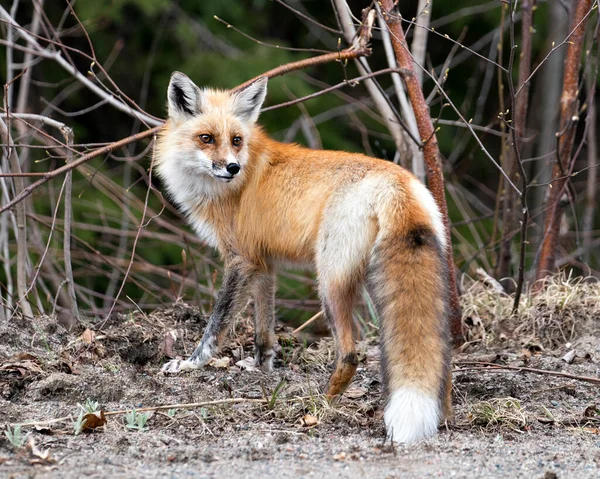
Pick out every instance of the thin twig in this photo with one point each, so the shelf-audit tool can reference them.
(351, 83)
(493, 366)
(310, 19)
(308, 323)
(67, 228)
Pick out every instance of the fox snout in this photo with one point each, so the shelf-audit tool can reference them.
(226, 170)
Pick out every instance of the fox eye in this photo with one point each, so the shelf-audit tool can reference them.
(208, 139)
(237, 141)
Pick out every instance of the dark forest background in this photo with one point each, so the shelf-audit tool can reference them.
(141, 42)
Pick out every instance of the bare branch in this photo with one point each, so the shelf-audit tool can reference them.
(381, 102)
(68, 133)
(419, 43)
(56, 56)
(21, 232)
(417, 164)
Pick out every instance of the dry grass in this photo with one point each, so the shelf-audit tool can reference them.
(498, 412)
(554, 316)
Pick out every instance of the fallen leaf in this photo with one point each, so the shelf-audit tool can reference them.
(23, 364)
(88, 336)
(167, 344)
(355, 392)
(591, 411)
(374, 354)
(247, 364)
(309, 421)
(24, 357)
(37, 455)
(223, 362)
(570, 356)
(65, 364)
(93, 420)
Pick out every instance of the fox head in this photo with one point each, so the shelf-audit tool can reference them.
(208, 134)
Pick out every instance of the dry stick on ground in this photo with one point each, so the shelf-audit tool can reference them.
(493, 366)
(518, 111)
(566, 137)
(306, 63)
(193, 405)
(153, 408)
(21, 224)
(307, 323)
(431, 152)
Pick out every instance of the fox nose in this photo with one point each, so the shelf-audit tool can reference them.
(232, 168)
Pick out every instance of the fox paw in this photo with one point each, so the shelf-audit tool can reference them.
(178, 365)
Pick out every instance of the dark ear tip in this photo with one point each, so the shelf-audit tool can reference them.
(259, 81)
(178, 76)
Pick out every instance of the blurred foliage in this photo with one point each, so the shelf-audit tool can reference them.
(141, 42)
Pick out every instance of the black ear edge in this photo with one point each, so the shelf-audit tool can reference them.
(180, 99)
(256, 97)
(262, 79)
(183, 94)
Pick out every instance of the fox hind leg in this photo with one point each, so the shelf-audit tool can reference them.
(338, 301)
(345, 240)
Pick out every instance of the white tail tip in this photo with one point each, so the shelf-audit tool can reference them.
(411, 415)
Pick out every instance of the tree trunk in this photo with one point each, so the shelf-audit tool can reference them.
(566, 136)
(431, 151)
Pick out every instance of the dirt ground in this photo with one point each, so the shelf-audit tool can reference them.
(509, 423)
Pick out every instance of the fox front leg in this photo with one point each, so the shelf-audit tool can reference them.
(265, 340)
(233, 296)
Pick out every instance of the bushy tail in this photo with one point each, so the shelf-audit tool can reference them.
(407, 281)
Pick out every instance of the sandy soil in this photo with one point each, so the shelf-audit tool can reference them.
(508, 423)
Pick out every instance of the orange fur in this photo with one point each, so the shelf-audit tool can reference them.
(277, 211)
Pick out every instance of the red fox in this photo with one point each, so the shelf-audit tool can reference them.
(357, 220)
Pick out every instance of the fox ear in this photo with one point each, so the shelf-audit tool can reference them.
(247, 102)
(184, 97)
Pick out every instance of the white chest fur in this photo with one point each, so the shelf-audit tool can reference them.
(204, 230)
